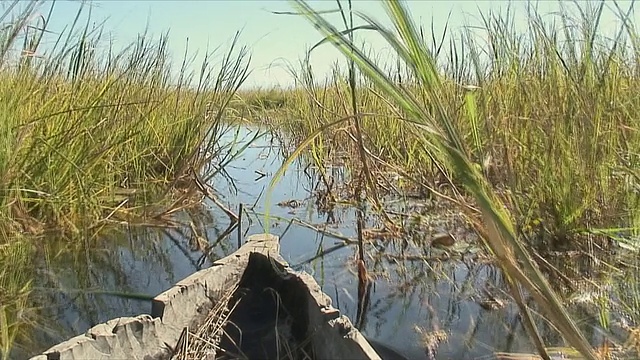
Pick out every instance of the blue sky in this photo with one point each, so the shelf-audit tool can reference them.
(273, 39)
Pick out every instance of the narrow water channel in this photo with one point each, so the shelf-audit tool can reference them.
(414, 303)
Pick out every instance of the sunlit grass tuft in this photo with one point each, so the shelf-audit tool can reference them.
(547, 115)
(90, 138)
(540, 136)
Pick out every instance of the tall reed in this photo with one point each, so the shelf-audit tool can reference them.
(90, 138)
(551, 125)
(558, 120)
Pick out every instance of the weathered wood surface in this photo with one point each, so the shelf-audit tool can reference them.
(188, 303)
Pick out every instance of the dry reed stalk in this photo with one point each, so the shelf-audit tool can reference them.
(204, 342)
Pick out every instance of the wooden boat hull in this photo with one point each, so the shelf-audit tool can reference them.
(254, 268)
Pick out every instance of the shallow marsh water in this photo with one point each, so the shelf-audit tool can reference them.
(411, 302)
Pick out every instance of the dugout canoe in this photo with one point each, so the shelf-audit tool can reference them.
(249, 305)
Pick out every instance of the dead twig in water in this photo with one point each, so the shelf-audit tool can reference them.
(322, 254)
(211, 196)
(313, 227)
(240, 210)
(212, 246)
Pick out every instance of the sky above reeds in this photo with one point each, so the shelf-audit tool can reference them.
(277, 40)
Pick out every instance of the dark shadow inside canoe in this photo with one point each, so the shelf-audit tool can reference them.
(270, 317)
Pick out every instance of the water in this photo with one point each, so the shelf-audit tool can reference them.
(410, 301)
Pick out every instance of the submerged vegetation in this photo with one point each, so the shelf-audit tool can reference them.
(93, 138)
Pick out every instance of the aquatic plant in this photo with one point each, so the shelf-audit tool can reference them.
(546, 114)
(91, 138)
(460, 120)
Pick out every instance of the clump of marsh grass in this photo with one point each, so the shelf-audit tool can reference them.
(15, 283)
(90, 138)
(80, 136)
(441, 135)
(547, 115)
(548, 120)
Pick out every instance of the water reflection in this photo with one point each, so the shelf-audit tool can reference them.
(417, 305)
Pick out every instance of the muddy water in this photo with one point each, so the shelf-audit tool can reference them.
(410, 302)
